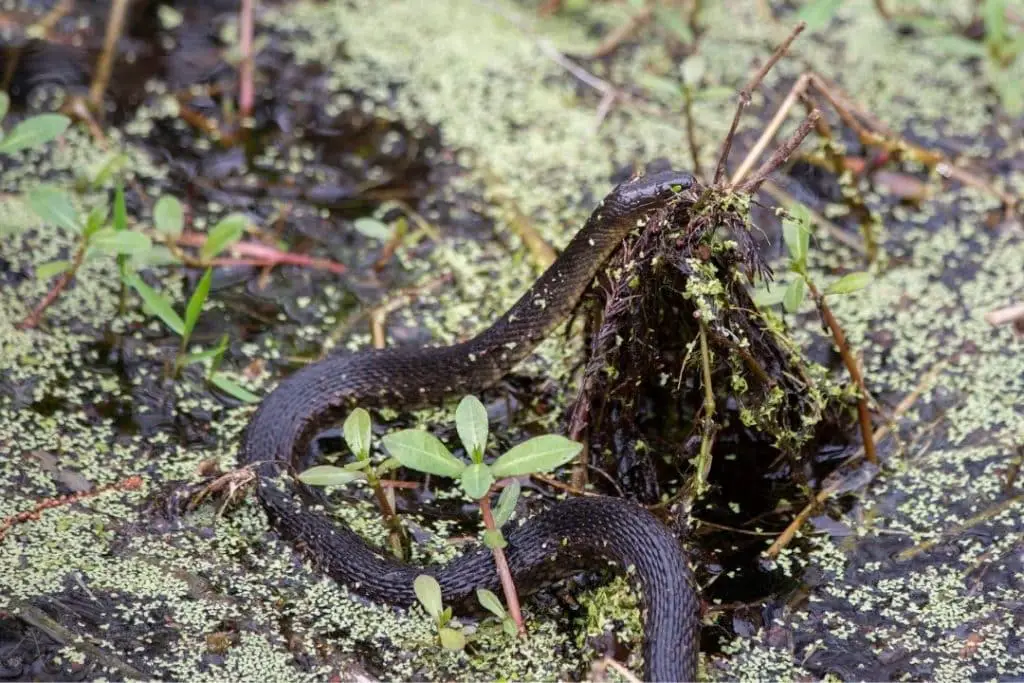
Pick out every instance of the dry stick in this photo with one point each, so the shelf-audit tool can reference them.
(769, 132)
(785, 150)
(744, 98)
(132, 483)
(977, 519)
(245, 65)
(708, 430)
(1009, 314)
(507, 584)
(839, 337)
(691, 132)
(599, 671)
(33, 318)
(115, 25)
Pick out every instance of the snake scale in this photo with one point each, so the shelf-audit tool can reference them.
(576, 532)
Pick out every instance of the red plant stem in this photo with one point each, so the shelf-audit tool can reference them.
(33, 318)
(507, 585)
(863, 414)
(245, 66)
(261, 254)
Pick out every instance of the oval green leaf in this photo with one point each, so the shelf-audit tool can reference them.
(428, 592)
(48, 270)
(5, 104)
(451, 639)
(794, 295)
(328, 475)
(373, 228)
(157, 302)
(796, 233)
(471, 424)
(54, 206)
(232, 388)
(34, 132)
(196, 301)
(120, 210)
(506, 506)
(125, 242)
(357, 432)
(850, 282)
(477, 480)
(168, 216)
(423, 452)
(539, 454)
(491, 603)
(225, 233)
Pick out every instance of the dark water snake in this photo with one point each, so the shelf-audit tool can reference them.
(572, 533)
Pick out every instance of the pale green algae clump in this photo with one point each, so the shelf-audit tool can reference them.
(515, 114)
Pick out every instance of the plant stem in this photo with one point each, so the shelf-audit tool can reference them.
(507, 585)
(115, 26)
(245, 66)
(398, 539)
(839, 337)
(32, 320)
(707, 439)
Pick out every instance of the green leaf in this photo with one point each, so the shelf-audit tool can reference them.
(765, 297)
(120, 210)
(96, 219)
(388, 465)
(818, 13)
(477, 480)
(423, 452)
(451, 639)
(328, 475)
(428, 592)
(357, 465)
(33, 132)
(506, 506)
(225, 233)
(493, 538)
(796, 232)
(157, 302)
(373, 228)
(994, 15)
(159, 255)
(357, 432)
(5, 104)
(168, 216)
(126, 242)
(509, 627)
(693, 69)
(672, 19)
(201, 356)
(491, 603)
(794, 295)
(668, 88)
(232, 388)
(471, 424)
(850, 282)
(54, 206)
(47, 270)
(196, 301)
(539, 454)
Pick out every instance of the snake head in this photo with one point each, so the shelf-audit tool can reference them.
(650, 191)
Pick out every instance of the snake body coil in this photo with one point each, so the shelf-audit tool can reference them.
(574, 532)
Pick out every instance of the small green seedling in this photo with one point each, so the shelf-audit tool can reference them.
(160, 305)
(357, 433)
(33, 132)
(428, 592)
(493, 605)
(422, 451)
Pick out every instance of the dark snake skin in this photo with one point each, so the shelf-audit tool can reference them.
(573, 533)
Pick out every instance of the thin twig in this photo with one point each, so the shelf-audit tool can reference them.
(623, 32)
(779, 157)
(115, 25)
(33, 318)
(708, 427)
(744, 98)
(839, 337)
(245, 65)
(769, 132)
(1002, 316)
